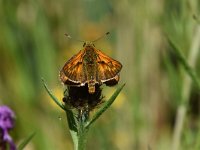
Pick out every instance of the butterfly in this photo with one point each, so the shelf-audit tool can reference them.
(89, 67)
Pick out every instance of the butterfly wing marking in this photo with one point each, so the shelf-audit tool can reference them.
(72, 73)
(108, 68)
(112, 81)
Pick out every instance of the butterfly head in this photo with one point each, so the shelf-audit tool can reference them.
(88, 44)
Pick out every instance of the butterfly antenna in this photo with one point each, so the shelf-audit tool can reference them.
(68, 36)
(107, 33)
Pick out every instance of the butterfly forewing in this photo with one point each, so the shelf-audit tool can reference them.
(108, 67)
(72, 72)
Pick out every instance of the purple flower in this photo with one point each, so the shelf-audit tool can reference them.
(7, 119)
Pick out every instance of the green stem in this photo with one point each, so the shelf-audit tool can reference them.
(181, 111)
(77, 128)
(82, 138)
(83, 117)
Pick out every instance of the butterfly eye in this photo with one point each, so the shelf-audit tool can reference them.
(84, 44)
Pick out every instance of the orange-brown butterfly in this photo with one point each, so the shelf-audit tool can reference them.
(90, 66)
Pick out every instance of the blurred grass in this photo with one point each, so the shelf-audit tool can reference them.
(33, 45)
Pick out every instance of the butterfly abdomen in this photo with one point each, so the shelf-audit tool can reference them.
(91, 86)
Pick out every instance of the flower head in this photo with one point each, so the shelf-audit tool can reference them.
(7, 119)
(80, 98)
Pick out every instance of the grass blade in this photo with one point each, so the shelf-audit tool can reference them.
(52, 96)
(185, 64)
(105, 106)
(26, 141)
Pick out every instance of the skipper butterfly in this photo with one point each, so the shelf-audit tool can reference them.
(89, 67)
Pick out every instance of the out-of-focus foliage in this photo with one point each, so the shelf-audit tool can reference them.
(33, 46)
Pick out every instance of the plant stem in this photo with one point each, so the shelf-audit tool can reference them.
(82, 131)
(181, 111)
(79, 125)
(77, 128)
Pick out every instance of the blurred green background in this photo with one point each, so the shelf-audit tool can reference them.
(33, 45)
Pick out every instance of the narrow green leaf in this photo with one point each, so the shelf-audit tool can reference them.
(105, 106)
(71, 120)
(186, 66)
(26, 141)
(52, 96)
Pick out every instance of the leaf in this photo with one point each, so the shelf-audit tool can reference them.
(26, 141)
(105, 106)
(71, 120)
(52, 96)
(185, 64)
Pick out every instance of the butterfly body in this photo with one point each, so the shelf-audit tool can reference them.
(90, 66)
